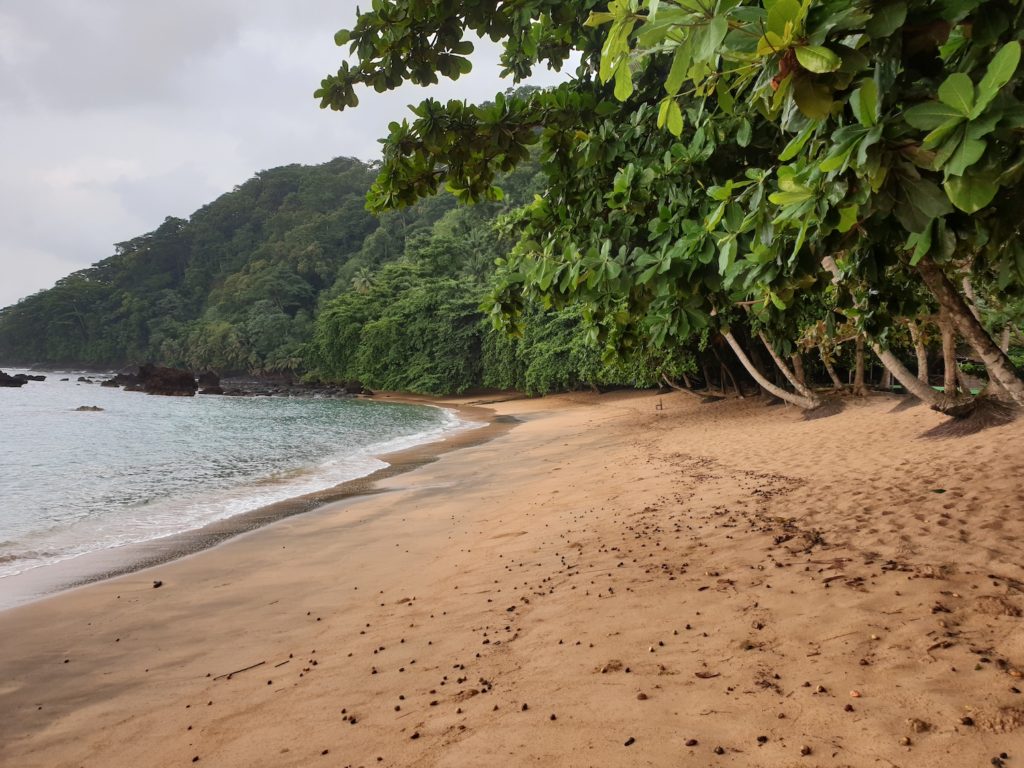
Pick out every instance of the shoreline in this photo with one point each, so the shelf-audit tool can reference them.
(45, 581)
(621, 580)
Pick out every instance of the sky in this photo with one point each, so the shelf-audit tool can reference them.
(115, 114)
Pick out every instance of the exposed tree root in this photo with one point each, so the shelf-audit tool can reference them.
(987, 412)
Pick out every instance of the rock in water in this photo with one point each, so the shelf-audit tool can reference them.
(209, 383)
(90, 408)
(10, 381)
(157, 380)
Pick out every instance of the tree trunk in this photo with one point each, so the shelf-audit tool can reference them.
(1004, 341)
(913, 385)
(807, 403)
(781, 365)
(950, 369)
(676, 387)
(858, 376)
(920, 349)
(836, 381)
(999, 367)
(886, 380)
(724, 371)
(798, 368)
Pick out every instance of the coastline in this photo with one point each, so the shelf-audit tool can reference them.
(621, 580)
(43, 582)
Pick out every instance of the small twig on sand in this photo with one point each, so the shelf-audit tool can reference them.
(282, 663)
(243, 669)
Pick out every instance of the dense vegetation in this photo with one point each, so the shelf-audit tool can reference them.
(290, 274)
(799, 175)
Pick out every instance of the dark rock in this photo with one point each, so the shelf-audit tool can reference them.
(126, 380)
(10, 381)
(356, 388)
(109, 383)
(157, 380)
(29, 377)
(208, 380)
(88, 408)
(84, 380)
(211, 391)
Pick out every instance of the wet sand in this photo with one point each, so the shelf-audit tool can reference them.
(606, 584)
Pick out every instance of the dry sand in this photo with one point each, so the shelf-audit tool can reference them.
(607, 584)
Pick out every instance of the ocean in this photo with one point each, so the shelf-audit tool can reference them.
(146, 467)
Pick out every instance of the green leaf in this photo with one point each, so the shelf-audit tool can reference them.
(725, 100)
(957, 91)
(780, 13)
(596, 19)
(967, 153)
(972, 191)
(674, 118)
(743, 133)
(797, 143)
(847, 217)
(813, 98)
(680, 65)
(707, 38)
(864, 102)
(342, 36)
(623, 81)
(652, 9)
(818, 59)
(886, 19)
(921, 242)
(998, 74)
(930, 115)
(726, 254)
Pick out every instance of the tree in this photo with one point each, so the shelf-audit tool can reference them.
(716, 154)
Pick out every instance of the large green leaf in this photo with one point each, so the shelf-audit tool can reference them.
(812, 97)
(972, 191)
(887, 19)
(864, 102)
(930, 115)
(999, 72)
(817, 58)
(957, 91)
(781, 13)
(707, 38)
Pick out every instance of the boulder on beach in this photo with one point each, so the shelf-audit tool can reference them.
(157, 380)
(10, 381)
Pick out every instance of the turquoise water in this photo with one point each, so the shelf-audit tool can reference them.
(145, 467)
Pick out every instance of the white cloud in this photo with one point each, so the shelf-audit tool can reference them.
(115, 114)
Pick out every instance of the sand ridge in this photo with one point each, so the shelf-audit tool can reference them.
(608, 584)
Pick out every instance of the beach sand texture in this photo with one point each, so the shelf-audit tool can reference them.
(607, 584)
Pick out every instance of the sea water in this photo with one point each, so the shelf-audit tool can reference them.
(145, 467)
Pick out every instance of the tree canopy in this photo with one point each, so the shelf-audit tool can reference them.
(781, 165)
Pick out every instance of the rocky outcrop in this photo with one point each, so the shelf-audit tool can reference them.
(157, 380)
(29, 377)
(10, 381)
(209, 384)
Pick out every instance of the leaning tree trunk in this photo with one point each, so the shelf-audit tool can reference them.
(798, 368)
(781, 364)
(920, 349)
(1004, 341)
(724, 370)
(950, 368)
(801, 401)
(836, 381)
(1000, 369)
(858, 377)
(911, 383)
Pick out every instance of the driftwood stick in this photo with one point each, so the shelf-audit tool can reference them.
(281, 664)
(243, 669)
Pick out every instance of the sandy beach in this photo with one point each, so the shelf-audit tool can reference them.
(619, 580)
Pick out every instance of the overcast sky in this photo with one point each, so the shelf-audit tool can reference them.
(117, 113)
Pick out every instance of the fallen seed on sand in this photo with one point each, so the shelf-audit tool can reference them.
(855, 694)
(629, 742)
(641, 696)
(719, 751)
(805, 751)
(691, 742)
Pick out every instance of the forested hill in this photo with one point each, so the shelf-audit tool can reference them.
(233, 287)
(288, 273)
